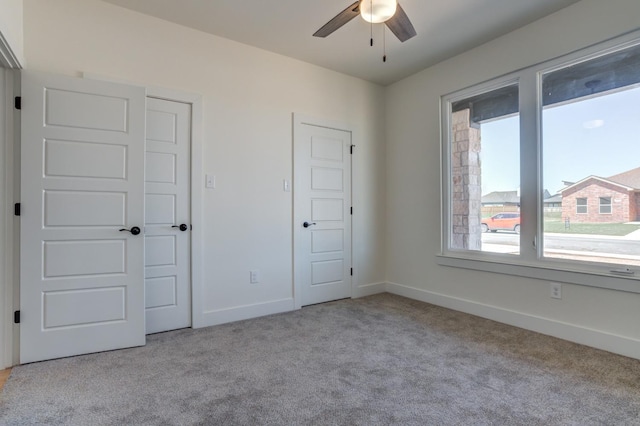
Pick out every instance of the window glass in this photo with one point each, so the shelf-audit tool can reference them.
(591, 159)
(605, 205)
(579, 190)
(485, 172)
(581, 206)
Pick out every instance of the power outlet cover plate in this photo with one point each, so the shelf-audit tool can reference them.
(556, 290)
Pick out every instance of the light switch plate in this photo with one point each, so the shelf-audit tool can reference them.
(210, 181)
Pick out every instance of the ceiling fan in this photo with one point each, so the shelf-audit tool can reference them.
(374, 11)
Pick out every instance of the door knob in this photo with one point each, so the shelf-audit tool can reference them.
(135, 230)
(183, 227)
(308, 224)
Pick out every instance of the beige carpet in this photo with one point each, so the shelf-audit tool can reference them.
(375, 361)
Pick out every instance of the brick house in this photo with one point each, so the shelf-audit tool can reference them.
(501, 198)
(595, 199)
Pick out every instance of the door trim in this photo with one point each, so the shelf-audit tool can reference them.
(9, 137)
(5, 238)
(8, 58)
(298, 121)
(197, 183)
(10, 235)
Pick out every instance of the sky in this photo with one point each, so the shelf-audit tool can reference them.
(598, 136)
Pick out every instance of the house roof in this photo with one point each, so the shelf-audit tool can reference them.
(596, 178)
(501, 197)
(630, 178)
(553, 199)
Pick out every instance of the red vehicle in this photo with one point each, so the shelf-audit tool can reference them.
(502, 222)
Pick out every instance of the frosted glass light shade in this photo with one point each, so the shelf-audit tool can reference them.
(377, 11)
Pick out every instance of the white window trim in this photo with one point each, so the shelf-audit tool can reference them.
(610, 205)
(531, 262)
(585, 205)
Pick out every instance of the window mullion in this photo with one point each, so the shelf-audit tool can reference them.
(530, 164)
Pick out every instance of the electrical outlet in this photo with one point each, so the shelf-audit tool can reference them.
(556, 290)
(254, 276)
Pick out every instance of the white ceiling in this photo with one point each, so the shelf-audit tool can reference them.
(445, 28)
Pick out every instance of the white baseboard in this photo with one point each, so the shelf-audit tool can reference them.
(369, 289)
(239, 313)
(597, 339)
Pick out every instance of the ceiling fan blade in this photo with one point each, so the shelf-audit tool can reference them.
(400, 25)
(340, 19)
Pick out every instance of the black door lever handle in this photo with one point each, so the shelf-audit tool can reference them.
(135, 230)
(183, 227)
(308, 224)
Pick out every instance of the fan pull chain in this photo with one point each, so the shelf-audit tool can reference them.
(371, 40)
(384, 43)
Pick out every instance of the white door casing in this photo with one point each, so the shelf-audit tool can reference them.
(322, 199)
(81, 278)
(167, 207)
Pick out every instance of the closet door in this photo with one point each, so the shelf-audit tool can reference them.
(82, 196)
(167, 216)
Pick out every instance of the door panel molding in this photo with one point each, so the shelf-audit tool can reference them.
(199, 317)
(326, 176)
(80, 279)
(167, 189)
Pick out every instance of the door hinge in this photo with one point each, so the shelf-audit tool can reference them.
(16, 317)
(17, 102)
(351, 271)
(16, 209)
(351, 149)
(351, 210)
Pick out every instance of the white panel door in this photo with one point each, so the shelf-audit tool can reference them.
(82, 194)
(167, 216)
(322, 228)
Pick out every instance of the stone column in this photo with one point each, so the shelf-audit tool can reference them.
(466, 182)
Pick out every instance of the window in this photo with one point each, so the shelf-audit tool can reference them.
(589, 118)
(524, 155)
(581, 206)
(485, 170)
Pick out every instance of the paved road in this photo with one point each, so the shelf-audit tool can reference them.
(583, 243)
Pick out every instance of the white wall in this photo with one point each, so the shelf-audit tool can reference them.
(249, 96)
(11, 26)
(603, 318)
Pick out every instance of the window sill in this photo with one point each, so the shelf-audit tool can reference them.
(564, 273)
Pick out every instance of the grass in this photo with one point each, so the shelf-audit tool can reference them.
(554, 223)
(618, 229)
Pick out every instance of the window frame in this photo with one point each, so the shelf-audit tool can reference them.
(501, 82)
(610, 205)
(531, 261)
(585, 205)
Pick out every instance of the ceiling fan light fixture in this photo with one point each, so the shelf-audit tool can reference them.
(377, 11)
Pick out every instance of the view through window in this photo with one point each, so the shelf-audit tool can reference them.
(485, 178)
(591, 159)
(587, 176)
